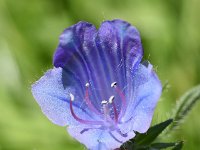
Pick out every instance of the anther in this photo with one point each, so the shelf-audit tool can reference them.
(104, 102)
(114, 84)
(87, 84)
(71, 97)
(111, 99)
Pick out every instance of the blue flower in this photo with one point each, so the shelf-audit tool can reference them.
(99, 88)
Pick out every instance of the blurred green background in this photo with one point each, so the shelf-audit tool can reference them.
(29, 32)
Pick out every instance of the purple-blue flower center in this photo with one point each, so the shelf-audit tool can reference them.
(110, 116)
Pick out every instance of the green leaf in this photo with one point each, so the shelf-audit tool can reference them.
(178, 146)
(159, 146)
(153, 132)
(184, 106)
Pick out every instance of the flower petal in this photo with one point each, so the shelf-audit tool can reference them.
(77, 54)
(143, 99)
(54, 99)
(99, 57)
(98, 139)
(120, 46)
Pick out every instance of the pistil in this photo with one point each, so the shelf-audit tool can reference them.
(88, 122)
(105, 110)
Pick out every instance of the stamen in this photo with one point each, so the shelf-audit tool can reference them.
(87, 84)
(104, 102)
(79, 119)
(123, 99)
(114, 84)
(111, 101)
(71, 97)
(88, 102)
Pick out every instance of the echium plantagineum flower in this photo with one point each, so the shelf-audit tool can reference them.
(99, 88)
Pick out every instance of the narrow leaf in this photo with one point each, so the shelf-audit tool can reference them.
(163, 145)
(153, 132)
(184, 105)
(178, 146)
